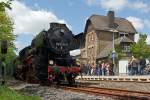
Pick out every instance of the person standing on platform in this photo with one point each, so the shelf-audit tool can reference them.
(142, 65)
(134, 66)
(103, 68)
(129, 67)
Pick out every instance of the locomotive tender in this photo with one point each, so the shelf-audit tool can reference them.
(48, 57)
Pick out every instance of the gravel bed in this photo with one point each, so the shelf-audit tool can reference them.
(51, 93)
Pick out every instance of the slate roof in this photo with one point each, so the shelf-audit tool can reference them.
(100, 22)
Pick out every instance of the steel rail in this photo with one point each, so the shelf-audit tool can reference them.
(119, 93)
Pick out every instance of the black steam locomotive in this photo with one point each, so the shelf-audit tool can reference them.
(48, 58)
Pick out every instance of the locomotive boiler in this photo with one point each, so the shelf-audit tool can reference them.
(48, 57)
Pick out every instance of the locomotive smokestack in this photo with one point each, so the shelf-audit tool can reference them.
(111, 18)
(52, 25)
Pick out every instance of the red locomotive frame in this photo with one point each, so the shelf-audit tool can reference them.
(62, 69)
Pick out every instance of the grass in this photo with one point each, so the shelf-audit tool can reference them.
(8, 94)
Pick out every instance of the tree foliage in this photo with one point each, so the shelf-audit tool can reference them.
(6, 33)
(141, 49)
(6, 24)
(119, 51)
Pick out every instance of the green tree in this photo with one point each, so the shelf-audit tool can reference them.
(119, 51)
(141, 48)
(6, 24)
(6, 33)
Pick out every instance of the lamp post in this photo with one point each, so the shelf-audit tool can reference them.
(114, 54)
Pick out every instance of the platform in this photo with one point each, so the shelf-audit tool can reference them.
(115, 78)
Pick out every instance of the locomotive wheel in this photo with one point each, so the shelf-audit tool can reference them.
(58, 82)
(58, 79)
(71, 80)
(41, 68)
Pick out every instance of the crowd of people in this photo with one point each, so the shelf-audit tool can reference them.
(135, 67)
(103, 68)
(138, 66)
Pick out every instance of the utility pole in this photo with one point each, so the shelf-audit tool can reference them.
(114, 54)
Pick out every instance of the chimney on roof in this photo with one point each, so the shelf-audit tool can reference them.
(111, 18)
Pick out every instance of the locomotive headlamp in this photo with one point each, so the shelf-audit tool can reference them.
(4, 46)
(51, 62)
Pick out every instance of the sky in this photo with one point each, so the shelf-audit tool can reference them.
(32, 16)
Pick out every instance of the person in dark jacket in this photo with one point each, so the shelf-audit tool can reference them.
(142, 65)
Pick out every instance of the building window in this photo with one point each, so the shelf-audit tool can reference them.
(126, 48)
(123, 34)
(89, 37)
(92, 36)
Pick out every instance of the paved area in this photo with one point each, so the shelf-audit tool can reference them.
(133, 86)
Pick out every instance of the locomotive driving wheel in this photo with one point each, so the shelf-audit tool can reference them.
(71, 79)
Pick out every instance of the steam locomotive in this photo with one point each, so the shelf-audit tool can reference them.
(47, 59)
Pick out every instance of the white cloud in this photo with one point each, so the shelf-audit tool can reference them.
(140, 24)
(29, 21)
(136, 37)
(140, 5)
(137, 22)
(108, 4)
(120, 4)
(148, 39)
(113, 4)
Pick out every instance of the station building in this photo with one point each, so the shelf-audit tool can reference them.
(98, 38)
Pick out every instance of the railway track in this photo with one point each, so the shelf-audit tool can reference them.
(117, 94)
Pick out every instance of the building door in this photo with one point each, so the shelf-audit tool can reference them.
(123, 67)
